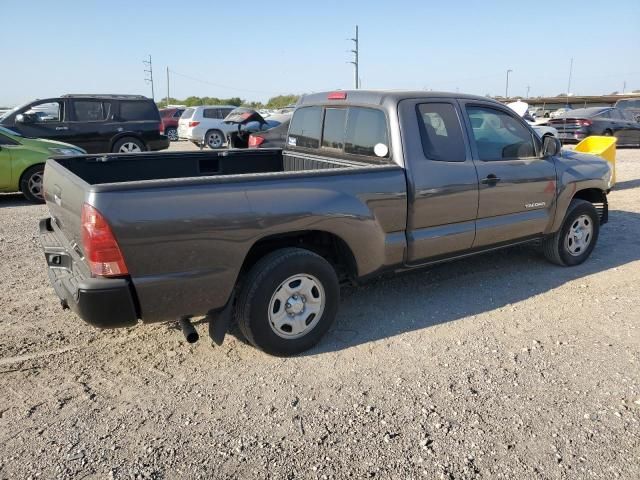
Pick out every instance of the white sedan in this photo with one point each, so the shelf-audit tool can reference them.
(522, 109)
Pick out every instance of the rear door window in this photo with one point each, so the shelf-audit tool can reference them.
(137, 110)
(366, 127)
(211, 113)
(304, 130)
(90, 110)
(334, 128)
(441, 132)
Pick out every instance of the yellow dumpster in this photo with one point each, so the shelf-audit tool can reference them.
(604, 147)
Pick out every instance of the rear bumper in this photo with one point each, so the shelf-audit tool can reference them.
(101, 302)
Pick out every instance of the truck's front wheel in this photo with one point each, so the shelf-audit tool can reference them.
(288, 301)
(574, 242)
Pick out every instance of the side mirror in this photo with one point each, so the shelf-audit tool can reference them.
(25, 118)
(551, 146)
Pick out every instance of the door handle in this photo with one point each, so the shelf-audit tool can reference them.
(62, 128)
(490, 180)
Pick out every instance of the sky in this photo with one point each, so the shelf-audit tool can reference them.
(257, 49)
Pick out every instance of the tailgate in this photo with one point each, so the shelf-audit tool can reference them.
(65, 193)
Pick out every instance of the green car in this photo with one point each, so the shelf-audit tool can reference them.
(22, 162)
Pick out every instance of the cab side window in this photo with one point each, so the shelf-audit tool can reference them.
(366, 128)
(305, 127)
(499, 136)
(441, 132)
(50, 112)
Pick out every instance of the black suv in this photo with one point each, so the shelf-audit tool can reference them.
(97, 123)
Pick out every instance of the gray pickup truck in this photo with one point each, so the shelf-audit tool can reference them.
(369, 182)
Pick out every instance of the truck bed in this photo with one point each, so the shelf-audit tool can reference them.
(110, 169)
(185, 222)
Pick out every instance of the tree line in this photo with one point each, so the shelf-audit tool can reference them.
(279, 101)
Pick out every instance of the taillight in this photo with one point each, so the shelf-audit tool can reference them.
(585, 123)
(100, 247)
(193, 124)
(161, 128)
(255, 142)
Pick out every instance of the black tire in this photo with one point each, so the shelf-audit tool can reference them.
(607, 133)
(261, 285)
(214, 139)
(128, 145)
(31, 183)
(554, 246)
(172, 134)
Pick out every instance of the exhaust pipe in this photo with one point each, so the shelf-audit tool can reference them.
(190, 333)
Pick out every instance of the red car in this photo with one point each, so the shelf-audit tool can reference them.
(170, 117)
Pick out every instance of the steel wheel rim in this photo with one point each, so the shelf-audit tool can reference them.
(129, 147)
(296, 306)
(35, 185)
(215, 140)
(579, 236)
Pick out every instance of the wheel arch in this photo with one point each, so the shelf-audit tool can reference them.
(598, 198)
(116, 138)
(326, 244)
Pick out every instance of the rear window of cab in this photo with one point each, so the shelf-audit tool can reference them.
(347, 130)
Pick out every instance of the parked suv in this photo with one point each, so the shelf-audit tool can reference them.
(96, 123)
(170, 118)
(204, 125)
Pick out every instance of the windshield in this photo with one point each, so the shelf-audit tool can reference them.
(9, 132)
(7, 113)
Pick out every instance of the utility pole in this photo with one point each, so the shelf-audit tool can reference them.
(528, 88)
(624, 86)
(506, 90)
(168, 86)
(149, 79)
(569, 85)
(356, 53)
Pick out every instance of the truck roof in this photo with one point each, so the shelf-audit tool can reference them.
(378, 97)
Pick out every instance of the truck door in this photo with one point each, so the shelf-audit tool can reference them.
(517, 185)
(441, 179)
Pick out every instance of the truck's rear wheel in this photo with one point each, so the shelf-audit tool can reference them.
(288, 301)
(575, 240)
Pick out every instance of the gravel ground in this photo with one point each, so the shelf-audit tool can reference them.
(499, 366)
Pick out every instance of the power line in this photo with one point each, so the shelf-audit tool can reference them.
(227, 87)
(149, 79)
